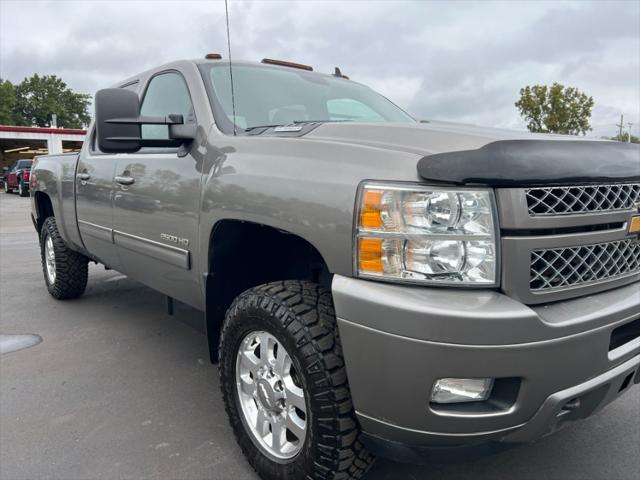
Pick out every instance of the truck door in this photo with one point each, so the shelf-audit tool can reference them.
(157, 200)
(94, 202)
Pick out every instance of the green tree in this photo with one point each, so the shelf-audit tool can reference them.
(624, 138)
(555, 109)
(7, 103)
(38, 97)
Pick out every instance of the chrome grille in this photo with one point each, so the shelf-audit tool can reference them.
(581, 199)
(561, 268)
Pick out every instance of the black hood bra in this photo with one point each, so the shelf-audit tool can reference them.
(515, 163)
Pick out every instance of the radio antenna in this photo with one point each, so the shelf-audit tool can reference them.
(233, 99)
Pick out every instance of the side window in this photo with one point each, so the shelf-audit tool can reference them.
(166, 94)
(350, 109)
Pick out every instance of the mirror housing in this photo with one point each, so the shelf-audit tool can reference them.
(118, 124)
(117, 137)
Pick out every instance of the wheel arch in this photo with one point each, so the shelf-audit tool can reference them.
(43, 209)
(242, 255)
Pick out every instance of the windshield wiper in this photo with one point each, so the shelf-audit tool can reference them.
(299, 122)
(295, 122)
(248, 129)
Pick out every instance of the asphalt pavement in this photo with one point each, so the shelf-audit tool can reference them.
(117, 389)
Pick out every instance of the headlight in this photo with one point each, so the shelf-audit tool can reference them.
(420, 234)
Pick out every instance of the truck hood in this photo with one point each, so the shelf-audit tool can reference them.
(420, 138)
(469, 155)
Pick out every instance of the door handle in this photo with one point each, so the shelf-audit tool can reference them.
(83, 176)
(125, 180)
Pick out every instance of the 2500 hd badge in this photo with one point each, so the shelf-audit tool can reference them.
(184, 242)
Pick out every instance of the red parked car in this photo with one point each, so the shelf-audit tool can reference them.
(17, 177)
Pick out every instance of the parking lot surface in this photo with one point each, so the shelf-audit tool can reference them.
(117, 389)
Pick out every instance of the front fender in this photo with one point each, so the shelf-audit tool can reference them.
(302, 186)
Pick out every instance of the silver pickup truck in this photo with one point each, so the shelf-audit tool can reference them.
(371, 285)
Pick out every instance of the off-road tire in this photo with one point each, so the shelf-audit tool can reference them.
(301, 316)
(72, 268)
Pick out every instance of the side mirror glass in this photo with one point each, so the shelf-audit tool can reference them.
(113, 104)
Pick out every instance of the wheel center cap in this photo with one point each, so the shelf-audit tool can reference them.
(266, 395)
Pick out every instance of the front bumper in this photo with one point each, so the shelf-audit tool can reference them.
(399, 340)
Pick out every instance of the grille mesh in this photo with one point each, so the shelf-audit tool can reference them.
(561, 268)
(581, 199)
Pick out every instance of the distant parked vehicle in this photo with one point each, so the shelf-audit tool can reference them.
(17, 178)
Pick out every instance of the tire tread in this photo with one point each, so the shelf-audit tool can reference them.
(72, 270)
(306, 311)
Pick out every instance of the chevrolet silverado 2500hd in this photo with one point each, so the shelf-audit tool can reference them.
(371, 285)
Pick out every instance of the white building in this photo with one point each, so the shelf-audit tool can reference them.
(26, 142)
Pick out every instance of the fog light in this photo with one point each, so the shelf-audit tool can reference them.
(459, 390)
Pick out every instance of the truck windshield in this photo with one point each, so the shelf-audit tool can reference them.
(279, 96)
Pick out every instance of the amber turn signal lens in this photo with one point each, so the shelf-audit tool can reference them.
(370, 255)
(370, 216)
(634, 226)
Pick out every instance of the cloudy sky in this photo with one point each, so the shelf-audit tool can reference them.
(461, 61)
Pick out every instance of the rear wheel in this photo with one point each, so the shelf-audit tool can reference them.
(65, 271)
(285, 386)
(23, 192)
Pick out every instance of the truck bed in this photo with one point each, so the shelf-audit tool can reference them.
(54, 176)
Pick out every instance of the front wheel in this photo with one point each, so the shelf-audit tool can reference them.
(65, 271)
(6, 188)
(285, 386)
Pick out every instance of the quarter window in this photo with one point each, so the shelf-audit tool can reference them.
(166, 94)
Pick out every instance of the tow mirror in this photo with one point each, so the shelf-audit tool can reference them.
(118, 124)
(117, 103)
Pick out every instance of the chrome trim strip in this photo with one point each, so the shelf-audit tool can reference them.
(96, 231)
(166, 253)
(426, 432)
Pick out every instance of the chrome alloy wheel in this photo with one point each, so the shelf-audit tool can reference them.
(50, 259)
(271, 396)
